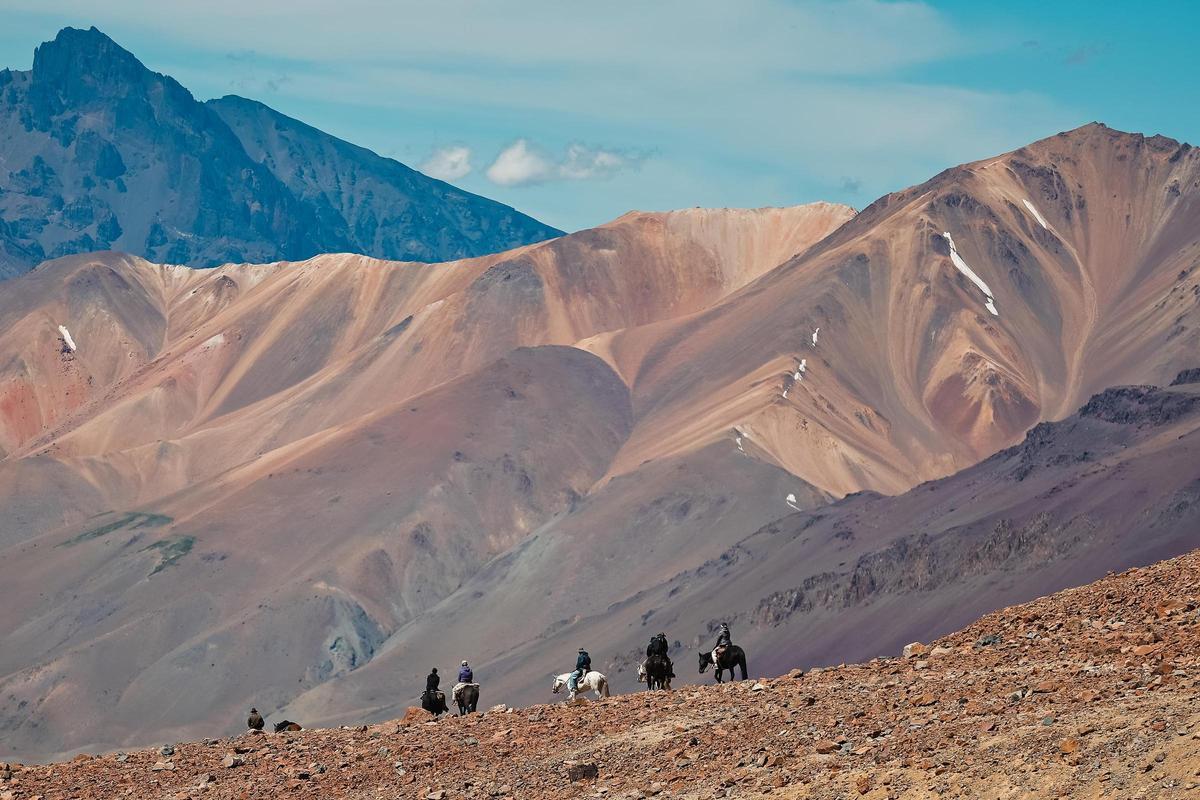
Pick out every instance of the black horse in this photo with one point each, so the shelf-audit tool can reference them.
(434, 703)
(658, 673)
(733, 656)
(468, 699)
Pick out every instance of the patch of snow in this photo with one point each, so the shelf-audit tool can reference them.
(791, 501)
(214, 341)
(785, 391)
(801, 368)
(66, 335)
(966, 270)
(1041, 220)
(814, 336)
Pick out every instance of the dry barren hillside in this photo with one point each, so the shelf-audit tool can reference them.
(297, 485)
(1087, 693)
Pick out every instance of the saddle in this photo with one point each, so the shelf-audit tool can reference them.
(458, 687)
(719, 652)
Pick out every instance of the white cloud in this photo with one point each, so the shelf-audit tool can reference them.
(448, 163)
(520, 163)
(517, 164)
(582, 163)
(760, 101)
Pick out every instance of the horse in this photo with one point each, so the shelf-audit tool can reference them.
(286, 725)
(434, 703)
(467, 699)
(733, 656)
(658, 673)
(593, 680)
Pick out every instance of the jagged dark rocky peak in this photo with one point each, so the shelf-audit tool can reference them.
(80, 66)
(103, 153)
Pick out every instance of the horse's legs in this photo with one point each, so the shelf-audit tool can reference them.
(742, 664)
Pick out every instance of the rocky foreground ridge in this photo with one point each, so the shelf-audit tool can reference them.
(1090, 692)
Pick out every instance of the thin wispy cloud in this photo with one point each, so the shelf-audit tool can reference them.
(521, 164)
(1086, 53)
(448, 163)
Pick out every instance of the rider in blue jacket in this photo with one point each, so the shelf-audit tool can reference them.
(464, 674)
(583, 663)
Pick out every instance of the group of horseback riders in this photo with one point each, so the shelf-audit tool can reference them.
(656, 671)
(465, 693)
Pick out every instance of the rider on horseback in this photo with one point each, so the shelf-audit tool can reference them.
(465, 678)
(659, 647)
(433, 700)
(724, 640)
(583, 663)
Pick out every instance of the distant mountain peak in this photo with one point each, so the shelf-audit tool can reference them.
(87, 60)
(102, 153)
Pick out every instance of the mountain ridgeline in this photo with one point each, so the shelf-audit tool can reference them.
(101, 153)
(299, 486)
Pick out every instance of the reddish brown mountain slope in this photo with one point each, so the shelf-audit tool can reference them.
(577, 437)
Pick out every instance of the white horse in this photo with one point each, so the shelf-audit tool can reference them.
(593, 680)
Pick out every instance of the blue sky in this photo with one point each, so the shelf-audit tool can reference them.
(576, 113)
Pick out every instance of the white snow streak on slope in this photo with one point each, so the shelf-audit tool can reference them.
(66, 334)
(814, 339)
(1041, 220)
(975, 279)
(791, 501)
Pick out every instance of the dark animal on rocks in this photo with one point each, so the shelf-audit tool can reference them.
(287, 725)
(467, 699)
(434, 702)
(658, 673)
(732, 656)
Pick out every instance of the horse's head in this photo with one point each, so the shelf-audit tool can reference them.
(705, 661)
(558, 683)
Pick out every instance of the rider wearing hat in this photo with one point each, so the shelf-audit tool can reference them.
(658, 647)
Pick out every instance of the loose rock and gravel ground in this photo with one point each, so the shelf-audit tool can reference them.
(1089, 693)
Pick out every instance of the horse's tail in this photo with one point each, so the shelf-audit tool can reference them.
(604, 687)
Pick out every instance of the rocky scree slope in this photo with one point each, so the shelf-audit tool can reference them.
(1089, 692)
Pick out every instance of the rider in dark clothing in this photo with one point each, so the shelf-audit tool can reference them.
(658, 647)
(723, 638)
(583, 663)
(432, 681)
